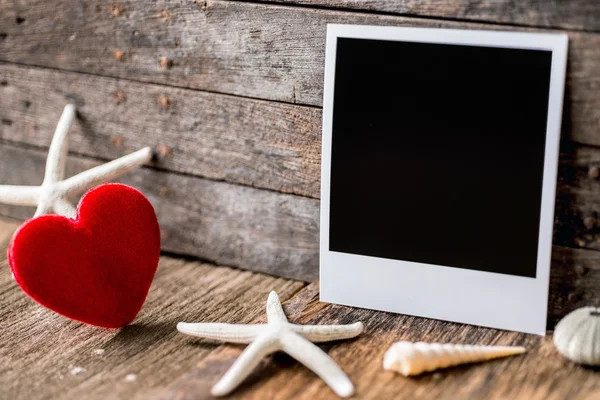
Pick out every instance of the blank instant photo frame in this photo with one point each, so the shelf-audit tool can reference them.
(439, 162)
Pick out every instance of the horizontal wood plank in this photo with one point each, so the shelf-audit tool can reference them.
(256, 50)
(227, 224)
(262, 230)
(540, 373)
(47, 349)
(42, 352)
(7, 228)
(257, 143)
(574, 282)
(571, 14)
(578, 197)
(263, 144)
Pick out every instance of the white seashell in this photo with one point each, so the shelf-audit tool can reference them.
(577, 336)
(410, 358)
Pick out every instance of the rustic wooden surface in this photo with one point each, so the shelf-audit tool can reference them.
(267, 231)
(267, 145)
(578, 197)
(264, 51)
(261, 230)
(206, 84)
(39, 348)
(252, 142)
(541, 373)
(571, 14)
(227, 224)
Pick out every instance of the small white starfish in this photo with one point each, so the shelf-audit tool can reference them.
(54, 193)
(278, 334)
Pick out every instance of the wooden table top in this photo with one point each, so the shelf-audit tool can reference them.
(44, 355)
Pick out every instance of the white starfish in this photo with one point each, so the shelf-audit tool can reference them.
(54, 193)
(278, 334)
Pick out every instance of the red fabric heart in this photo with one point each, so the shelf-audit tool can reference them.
(96, 268)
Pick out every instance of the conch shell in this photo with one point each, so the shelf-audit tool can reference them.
(410, 358)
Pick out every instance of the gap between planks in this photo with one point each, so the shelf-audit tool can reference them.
(161, 84)
(269, 232)
(242, 72)
(356, 6)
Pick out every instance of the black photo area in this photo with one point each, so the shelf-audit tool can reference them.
(438, 153)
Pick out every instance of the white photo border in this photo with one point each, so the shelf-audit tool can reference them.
(447, 293)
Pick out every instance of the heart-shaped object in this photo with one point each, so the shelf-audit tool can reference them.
(96, 268)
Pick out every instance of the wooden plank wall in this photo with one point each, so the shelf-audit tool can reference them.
(229, 93)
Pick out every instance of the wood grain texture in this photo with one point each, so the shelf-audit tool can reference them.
(227, 224)
(256, 50)
(541, 373)
(265, 231)
(257, 143)
(39, 348)
(7, 227)
(572, 14)
(262, 144)
(578, 199)
(574, 282)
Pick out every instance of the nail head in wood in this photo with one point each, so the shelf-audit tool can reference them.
(164, 151)
(589, 222)
(119, 55)
(117, 141)
(164, 101)
(166, 63)
(117, 9)
(580, 270)
(593, 172)
(164, 191)
(165, 15)
(119, 96)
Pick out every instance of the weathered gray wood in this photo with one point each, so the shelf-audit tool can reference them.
(39, 348)
(217, 221)
(7, 228)
(569, 14)
(540, 373)
(574, 281)
(263, 144)
(578, 199)
(262, 230)
(253, 142)
(263, 51)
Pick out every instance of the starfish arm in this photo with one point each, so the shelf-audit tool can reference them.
(326, 333)
(43, 208)
(64, 208)
(242, 367)
(224, 332)
(57, 155)
(106, 172)
(319, 362)
(274, 309)
(20, 195)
